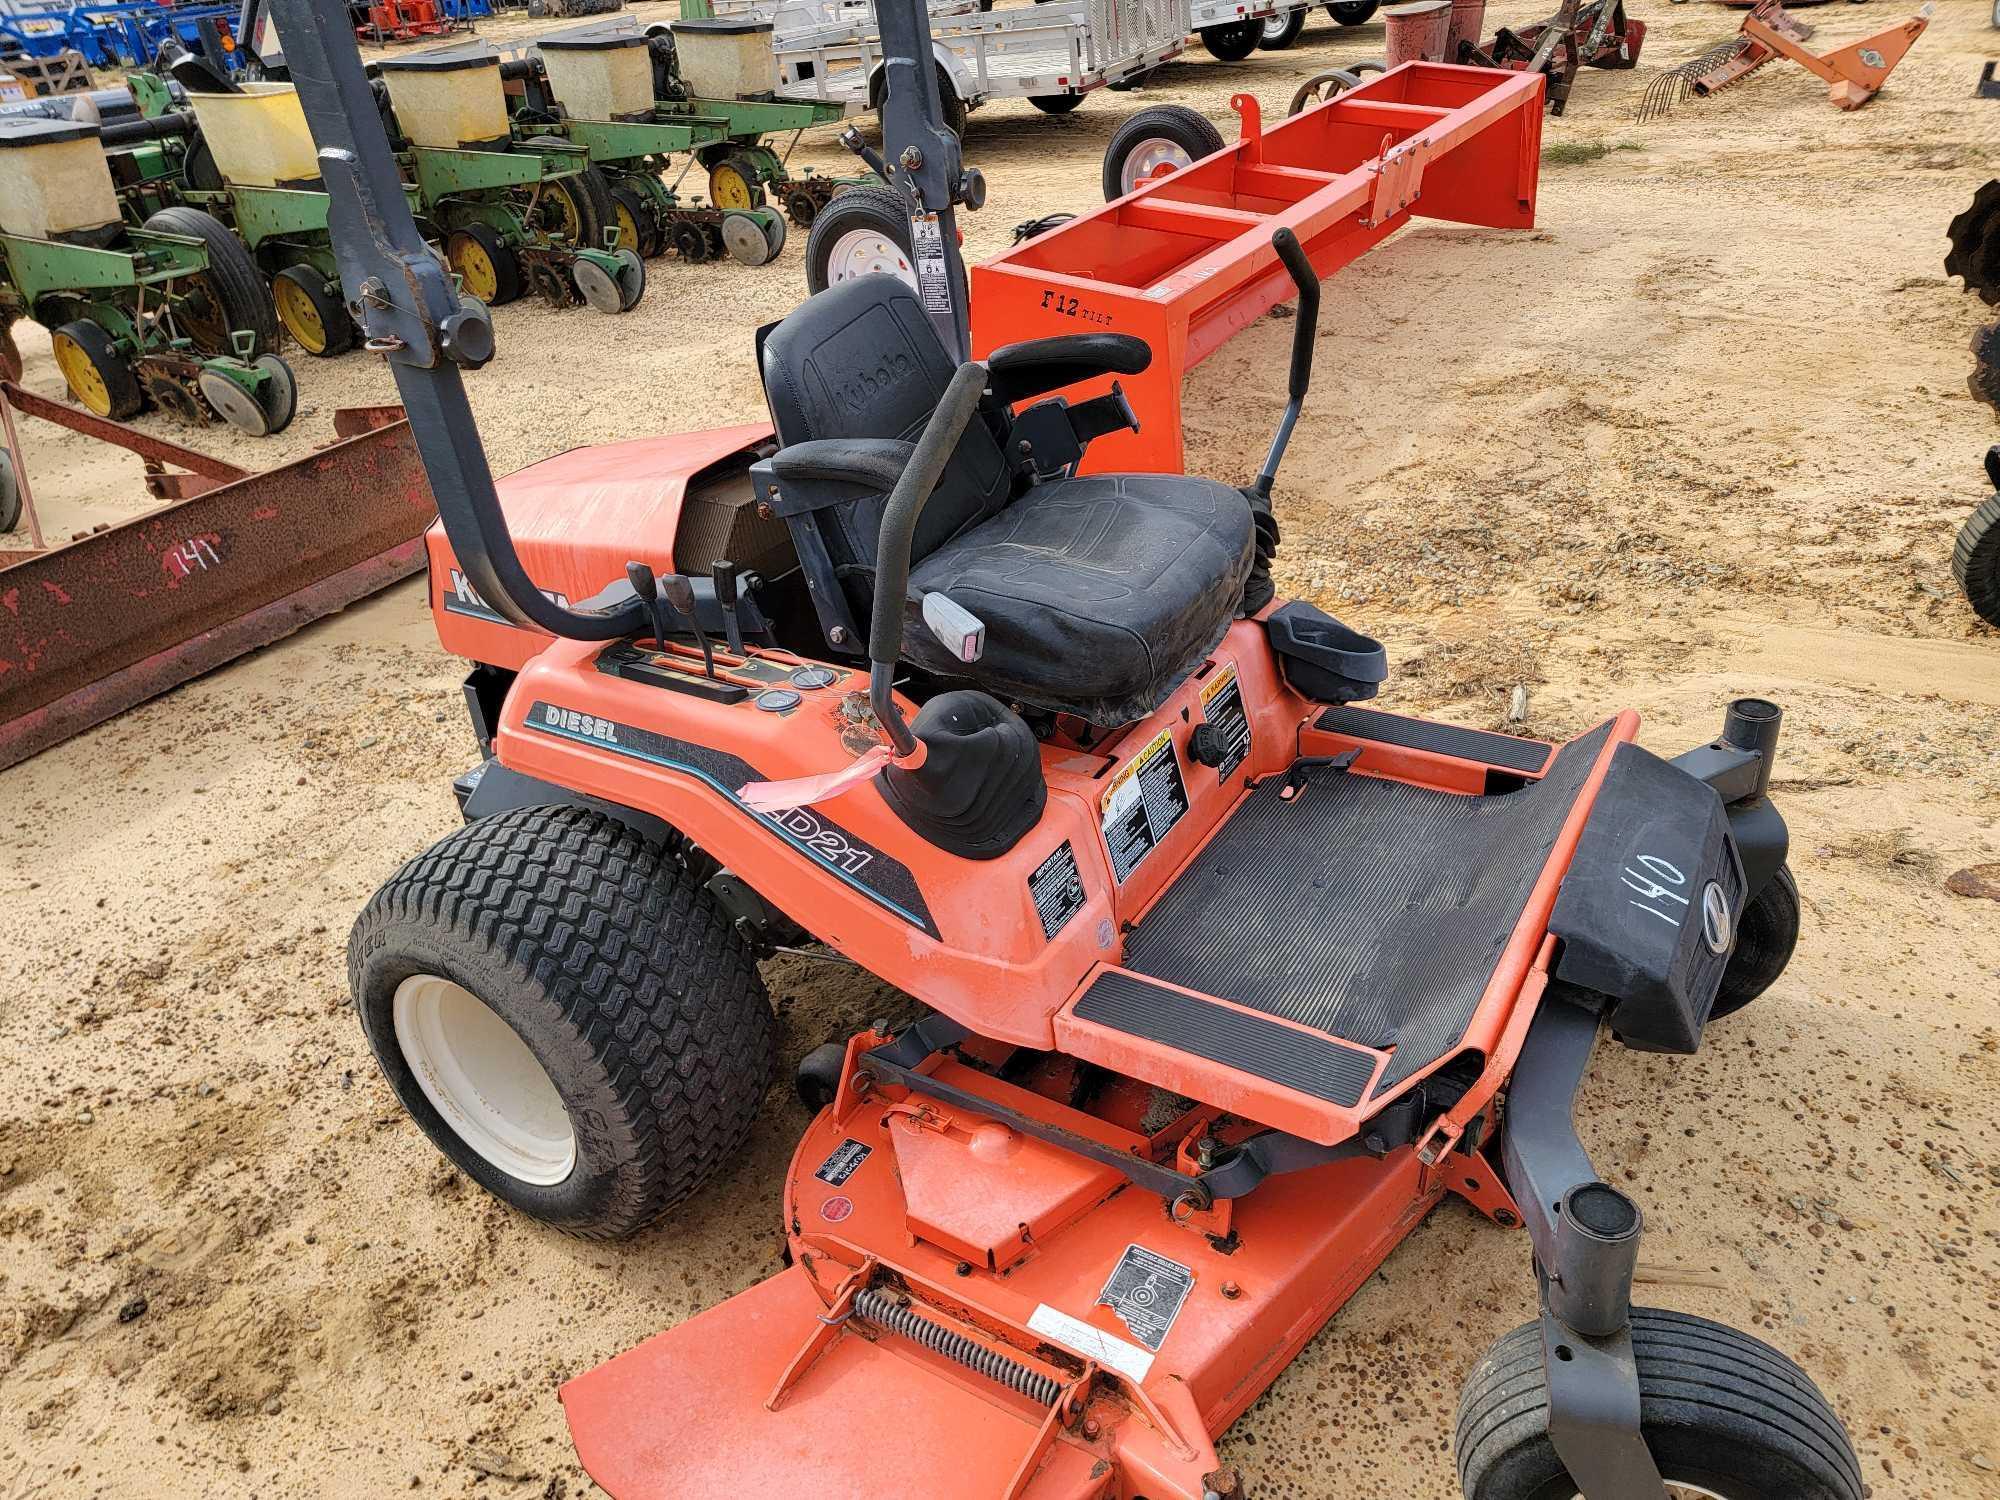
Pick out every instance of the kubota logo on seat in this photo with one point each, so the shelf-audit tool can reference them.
(858, 390)
(569, 721)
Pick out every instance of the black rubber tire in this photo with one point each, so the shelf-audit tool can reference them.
(745, 168)
(819, 1075)
(10, 494)
(1278, 39)
(1352, 12)
(1192, 131)
(198, 168)
(1056, 104)
(336, 326)
(636, 206)
(508, 282)
(241, 294)
(866, 206)
(1766, 935)
(121, 380)
(952, 106)
(1233, 40)
(587, 192)
(618, 971)
(1718, 1408)
(1975, 561)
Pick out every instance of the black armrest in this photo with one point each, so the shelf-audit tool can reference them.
(1038, 366)
(872, 463)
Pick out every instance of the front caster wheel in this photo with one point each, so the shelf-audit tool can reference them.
(1726, 1416)
(567, 1014)
(1765, 937)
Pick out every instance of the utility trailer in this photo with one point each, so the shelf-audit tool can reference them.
(1049, 54)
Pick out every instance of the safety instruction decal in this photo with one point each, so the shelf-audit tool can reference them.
(842, 1162)
(1057, 890)
(1222, 707)
(1147, 1292)
(1143, 803)
(933, 278)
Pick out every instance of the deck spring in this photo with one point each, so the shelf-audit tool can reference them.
(879, 1308)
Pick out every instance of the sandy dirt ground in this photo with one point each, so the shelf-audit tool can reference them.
(1702, 433)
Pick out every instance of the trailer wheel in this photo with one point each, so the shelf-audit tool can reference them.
(312, 311)
(96, 371)
(1975, 561)
(1281, 30)
(1232, 42)
(1156, 139)
(486, 264)
(567, 1014)
(1352, 12)
(10, 494)
(1726, 1416)
(952, 106)
(1056, 104)
(1766, 934)
(863, 230)
(734, 183)
(231, 296)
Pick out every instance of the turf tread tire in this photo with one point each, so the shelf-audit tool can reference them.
(1975, 560)
(239, 286)
(641, 998)
(1704, 1386)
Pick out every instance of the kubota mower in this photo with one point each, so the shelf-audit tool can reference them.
(1228, 981)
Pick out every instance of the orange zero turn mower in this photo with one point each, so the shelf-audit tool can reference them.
(1224, 979)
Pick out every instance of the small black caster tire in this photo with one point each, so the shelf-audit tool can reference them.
(1724, 1414)
(818, 1078)
(1766, 935)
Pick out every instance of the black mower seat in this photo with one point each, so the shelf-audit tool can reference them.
(1370, 910)
(1099, 594)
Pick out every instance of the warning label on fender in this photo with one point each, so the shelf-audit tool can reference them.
(1222, 707)
(1146, 1291)
(1142, 804)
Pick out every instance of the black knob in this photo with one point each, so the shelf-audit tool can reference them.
(1207, 745)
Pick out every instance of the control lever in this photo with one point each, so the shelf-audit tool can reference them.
(1305, 331)
(726, 575)
(641, 578)
(851, 139)
(678, 590)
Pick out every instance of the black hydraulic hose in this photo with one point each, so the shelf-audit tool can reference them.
(172, 125)
(899, 528)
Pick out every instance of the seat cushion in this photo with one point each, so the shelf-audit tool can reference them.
(1099, 594)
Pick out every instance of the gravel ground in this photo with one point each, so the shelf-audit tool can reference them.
(1703, 432)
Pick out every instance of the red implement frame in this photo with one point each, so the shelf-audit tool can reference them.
(234, 561)
(1185, 262)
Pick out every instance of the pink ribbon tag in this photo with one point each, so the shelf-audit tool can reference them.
(803, 791)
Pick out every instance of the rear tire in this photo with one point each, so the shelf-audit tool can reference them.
(1766, 935)
(636, 1002)
(1975, 561)
(1719, 1409)
(1158, 136)
(231, 296)
(1232, 42)
(1282, 30)
(863, 228)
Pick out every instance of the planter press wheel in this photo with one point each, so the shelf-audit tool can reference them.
(1330, 85)
(1352, 12)
(734, 183)
(1975, 561)
(1156, 140)
(863, 230)
(486, 264)
(575, 208)
(312, 312)
(638, 223)
(1727, 1417)
(257, 413)
(231, 296)
(484, 1010)
(1233, 41)
(607, 291)
(96, 371)
(1281, 30)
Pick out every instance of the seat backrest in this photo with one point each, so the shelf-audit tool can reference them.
(860, 360)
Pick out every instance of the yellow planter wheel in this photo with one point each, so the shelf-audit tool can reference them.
(97, 374)
(484, 262)
(312, 312)
(734, 183)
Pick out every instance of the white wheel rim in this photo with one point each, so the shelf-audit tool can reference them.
(1147, 159)
(1274, 26)
(863, 252)
(483, 1081)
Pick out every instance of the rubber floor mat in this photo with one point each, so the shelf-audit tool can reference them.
(1370, 910)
